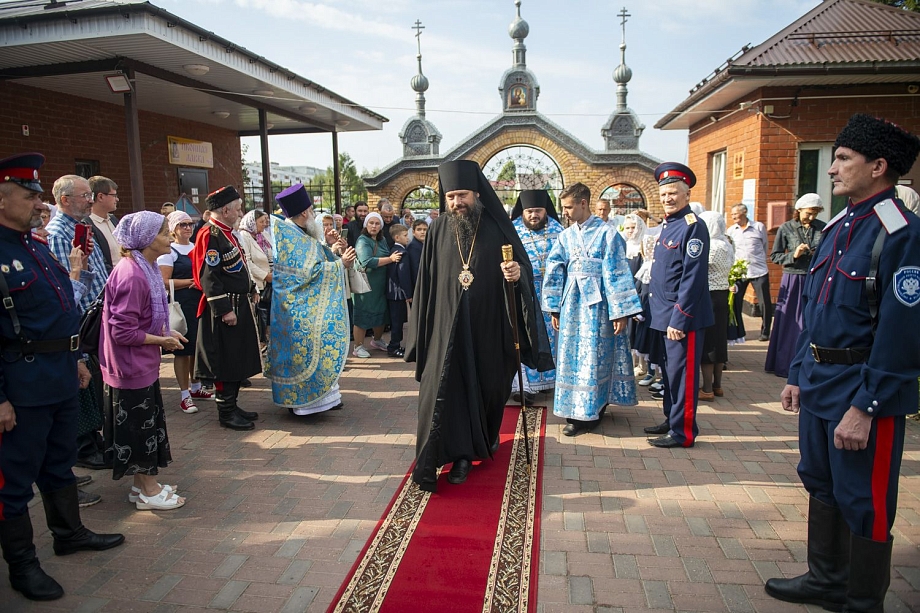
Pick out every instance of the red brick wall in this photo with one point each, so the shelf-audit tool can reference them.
(67, 128)
(770, 146)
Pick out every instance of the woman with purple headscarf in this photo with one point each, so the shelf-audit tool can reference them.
(135, 327)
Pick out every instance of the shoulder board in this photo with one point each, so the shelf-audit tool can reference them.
(690, 218)
(214, 230)
(837, 218)
(888, 213)
(42, 240)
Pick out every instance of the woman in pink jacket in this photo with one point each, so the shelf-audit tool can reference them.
(135, 328)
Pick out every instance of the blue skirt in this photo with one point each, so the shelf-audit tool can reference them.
(787, 325)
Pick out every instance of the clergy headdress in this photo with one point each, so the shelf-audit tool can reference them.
(534, 199)
(222, 197)
(876, 138)
(294, 200)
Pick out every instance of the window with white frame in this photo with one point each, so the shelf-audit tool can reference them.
(717, 181)
(814, 160)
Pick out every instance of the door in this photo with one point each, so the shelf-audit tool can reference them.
(193, 189)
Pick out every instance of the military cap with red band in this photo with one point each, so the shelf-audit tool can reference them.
(22, 169)
(671, 172)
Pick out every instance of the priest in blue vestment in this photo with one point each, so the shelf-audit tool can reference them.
(309, 317)
(590, 294)
(537, 223)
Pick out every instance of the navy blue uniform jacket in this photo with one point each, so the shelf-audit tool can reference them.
(836, 316)
(679, 290)
(43, 296)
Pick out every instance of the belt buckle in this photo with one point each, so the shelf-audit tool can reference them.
(815, 353)
(75, 342)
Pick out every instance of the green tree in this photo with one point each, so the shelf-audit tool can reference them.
(907, 5)
(353, 188)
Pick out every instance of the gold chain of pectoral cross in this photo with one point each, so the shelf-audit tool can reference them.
(541, 255)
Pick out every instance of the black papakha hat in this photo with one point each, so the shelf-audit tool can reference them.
(534, 199)
(878, 138)
(222, 197)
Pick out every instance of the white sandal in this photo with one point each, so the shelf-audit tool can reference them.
(164, 501)
(132, 497)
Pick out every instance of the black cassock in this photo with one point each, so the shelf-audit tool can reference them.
(462, 343)
(224, 353)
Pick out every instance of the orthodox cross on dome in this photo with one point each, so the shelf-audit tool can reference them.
(622, 74)
(418, 27)
(623, 128)
(624, 16)
(419, 82)
(419, 136)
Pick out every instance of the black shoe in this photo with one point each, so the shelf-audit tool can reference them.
(85, 499)
(494, 447)
(579, 427)
(662, 428)
(399, 353)
(825, 583)
(656, 387)
(870, 578)
(764, 337)
(247, 415)
(94, 461)
(62, 512)
(337, 407)
(657, 395)
(233, 420)
(26, 574)
(245, 383)
(459, 471)
(529, 398)
(665, 442)
(83, 480)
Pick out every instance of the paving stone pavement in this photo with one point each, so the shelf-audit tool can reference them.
(276, 517)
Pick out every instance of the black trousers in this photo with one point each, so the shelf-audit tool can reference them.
(762, 289)
(399, 314)
(41, 449)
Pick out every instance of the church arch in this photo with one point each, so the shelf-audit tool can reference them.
(422, 198)
(518, 167)
(624, 198)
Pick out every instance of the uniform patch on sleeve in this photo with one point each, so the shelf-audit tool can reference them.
(907, 285)
(212, 258)
(694, 247)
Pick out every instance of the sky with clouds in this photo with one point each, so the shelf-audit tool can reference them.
(365, 51)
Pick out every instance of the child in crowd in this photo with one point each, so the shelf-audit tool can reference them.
(419, 232)
(400, 287)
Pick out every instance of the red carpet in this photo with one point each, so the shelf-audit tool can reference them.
(469, 548)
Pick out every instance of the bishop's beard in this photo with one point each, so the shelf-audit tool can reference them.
(465, 224)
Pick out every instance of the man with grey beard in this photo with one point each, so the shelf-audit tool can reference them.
(460, 334)
(308, 309)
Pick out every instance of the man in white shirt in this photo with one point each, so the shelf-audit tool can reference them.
(750, 240)
(105, 201)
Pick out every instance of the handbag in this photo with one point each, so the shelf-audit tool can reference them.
(357, 279)
(91, 326)
(177, 321)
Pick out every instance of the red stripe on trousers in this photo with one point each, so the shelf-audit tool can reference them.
(881, 473)
(690, 390)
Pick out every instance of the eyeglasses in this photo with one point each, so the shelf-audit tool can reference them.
(186, 225)
(84, 195)
(112, 194)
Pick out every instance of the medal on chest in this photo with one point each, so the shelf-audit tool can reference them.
(466, 276)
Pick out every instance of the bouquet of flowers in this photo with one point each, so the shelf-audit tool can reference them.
(737, 273)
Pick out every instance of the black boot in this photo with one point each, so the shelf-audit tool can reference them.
(26, 574)
(825, 583)
(70, 535)
(870, 578)
(228, 413)
(247, 415)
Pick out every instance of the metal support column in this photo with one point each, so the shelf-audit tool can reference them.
(335, 172)
(267, 196)
(132, 127)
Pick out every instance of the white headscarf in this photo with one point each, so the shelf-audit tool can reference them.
(634, 244)
(374, 214)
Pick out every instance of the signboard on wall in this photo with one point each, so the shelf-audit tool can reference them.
(187, 152)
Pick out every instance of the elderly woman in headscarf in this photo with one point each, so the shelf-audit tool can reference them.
(634, 230)
(371, 307)
(715, 341)
(796, 241)
(258, 251)
(135, 328)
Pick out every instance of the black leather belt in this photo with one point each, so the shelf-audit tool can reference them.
(849, 356)
(51, 346)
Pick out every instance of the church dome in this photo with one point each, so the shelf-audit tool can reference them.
(419, 83)
(518, 28)
(622, 74)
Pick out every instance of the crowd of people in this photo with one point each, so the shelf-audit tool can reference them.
(558, 296)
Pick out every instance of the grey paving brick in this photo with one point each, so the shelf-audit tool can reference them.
(598, 542)
(300, 600)
(736, 599)
(162, 587)
(625, 566)
(732, 548)
(697, 570)
(99, 578)
(229, 566)
(636, 524)
(570, 473)
(730, 510)
(670, 508)
(290, 548)
(699, 526)
(554, 563)
(294, 573)
(701, 492)
(581, 590)
(91, 605)
(763, 529)
(657, 594)
(766, 569)
(574, 521)
(228, 595)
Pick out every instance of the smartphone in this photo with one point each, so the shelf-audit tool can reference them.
(82, 234)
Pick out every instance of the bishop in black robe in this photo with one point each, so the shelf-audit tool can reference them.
(461, 339)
